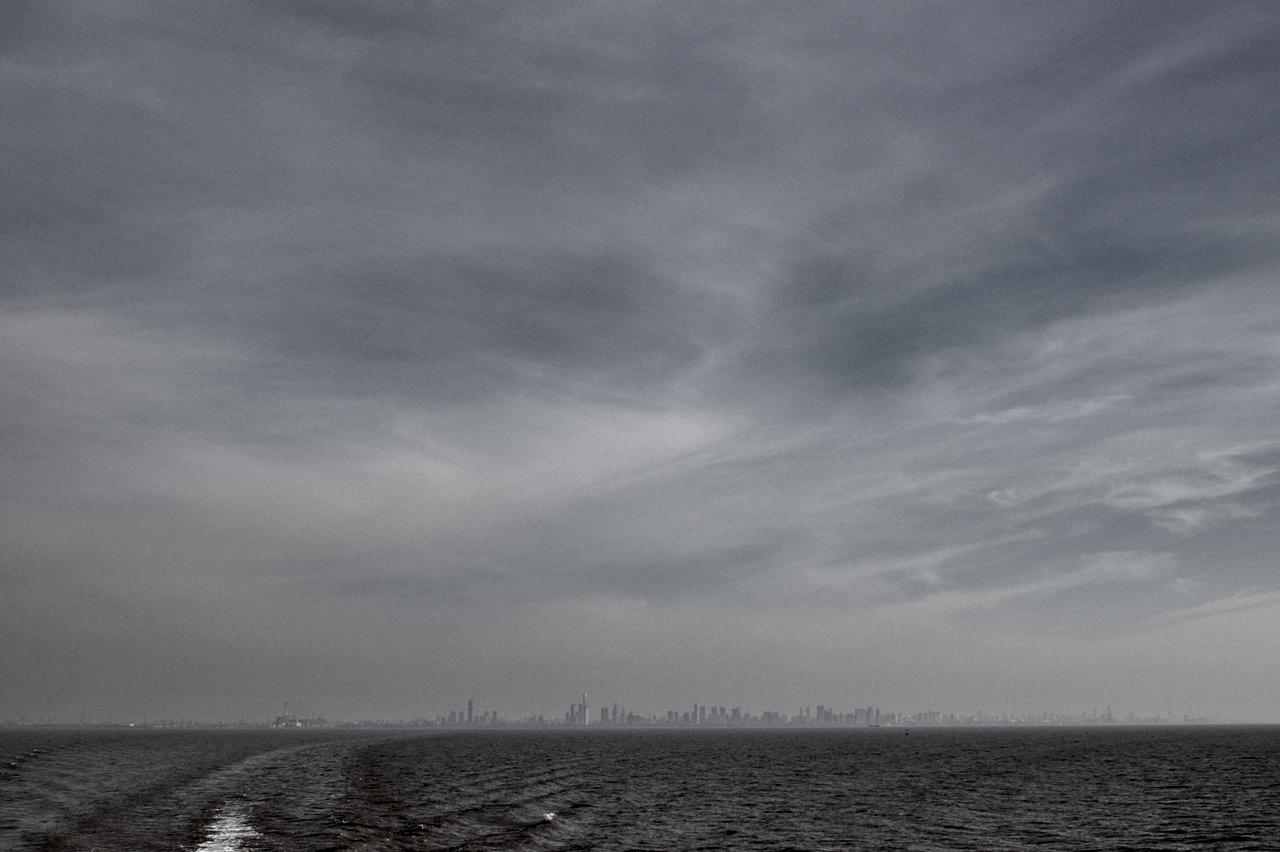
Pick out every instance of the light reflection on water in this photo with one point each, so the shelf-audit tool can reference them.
(228, 832)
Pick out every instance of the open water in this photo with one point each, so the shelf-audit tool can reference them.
(888, 788)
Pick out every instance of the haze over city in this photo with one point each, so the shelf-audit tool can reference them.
(370, 356)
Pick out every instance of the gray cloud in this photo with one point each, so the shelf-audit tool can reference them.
(385, 354)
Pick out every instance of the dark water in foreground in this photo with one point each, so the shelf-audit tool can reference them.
(1153, 788)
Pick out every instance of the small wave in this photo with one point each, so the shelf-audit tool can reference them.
(228, 832)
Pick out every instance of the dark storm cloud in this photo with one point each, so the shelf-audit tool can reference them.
(855, 345)
(1127, 162)
(566, 338)
(221, 138)
(441, 328)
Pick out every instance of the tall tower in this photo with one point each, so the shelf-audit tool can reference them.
(471, 706)
(586, 714)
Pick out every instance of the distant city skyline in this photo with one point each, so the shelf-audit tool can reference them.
(578, 714)
(367, 354)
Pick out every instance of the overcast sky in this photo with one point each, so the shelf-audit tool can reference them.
(374, 357)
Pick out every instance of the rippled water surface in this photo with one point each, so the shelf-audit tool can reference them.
(1122, 788)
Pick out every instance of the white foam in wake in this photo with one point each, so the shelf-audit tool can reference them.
(227, 832)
